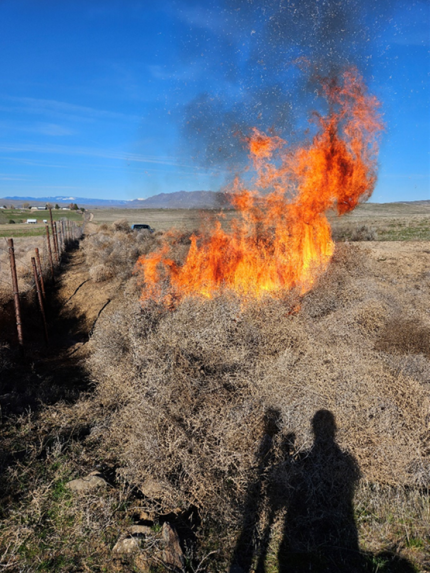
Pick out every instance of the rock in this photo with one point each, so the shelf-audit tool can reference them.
(139, 530)
(152, 489)
(145, 516)
(172, 553)
(131, 543)
(143, 563)
(87, 483)
(127, 545)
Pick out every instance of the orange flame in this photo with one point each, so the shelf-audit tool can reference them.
(281, 238)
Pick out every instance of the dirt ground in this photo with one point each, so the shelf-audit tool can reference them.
(399, 260)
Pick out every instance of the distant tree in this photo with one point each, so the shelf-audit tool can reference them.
(75, 207)
(57, 206)
(26, 205)
(11, 222)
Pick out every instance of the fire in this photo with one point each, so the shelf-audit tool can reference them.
(281, 238)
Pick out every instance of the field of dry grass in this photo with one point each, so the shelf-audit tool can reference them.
(389, 221)
(24, 250)
(284, 435)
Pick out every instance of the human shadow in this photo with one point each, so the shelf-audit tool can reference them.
(249, 541)
(319, 531)
(319, 527)
(314, 491)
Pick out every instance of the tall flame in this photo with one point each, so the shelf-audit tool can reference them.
(281, 238)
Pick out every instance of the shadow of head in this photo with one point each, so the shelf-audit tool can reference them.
(324, 425)
(272, 419)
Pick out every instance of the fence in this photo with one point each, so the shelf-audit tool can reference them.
(33, 265)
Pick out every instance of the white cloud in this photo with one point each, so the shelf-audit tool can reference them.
(93, 152)
(62, 109)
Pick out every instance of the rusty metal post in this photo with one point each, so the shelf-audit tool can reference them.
(64, 234)
(39, 296)
(54, 236)
(51, 263)
(60, 244)
(16, 295)
(40, 272)
(60, 237)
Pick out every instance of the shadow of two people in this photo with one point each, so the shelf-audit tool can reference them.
(315, 490)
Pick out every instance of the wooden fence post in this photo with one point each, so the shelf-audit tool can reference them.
(40, 272)
(16, 295)
(51, 263)
(39, 296)
(54, 234)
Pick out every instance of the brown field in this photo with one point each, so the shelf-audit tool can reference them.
(390, 221)
(291, 432)
(24, 250)
(158, 219)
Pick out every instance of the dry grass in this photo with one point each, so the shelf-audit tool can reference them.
(211, 406)
(112, 251)
(50, 529)
(186, 392)
(354, 233)
(184, 220)
(382, 222)
(24, 250)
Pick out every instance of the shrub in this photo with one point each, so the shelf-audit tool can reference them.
(187, 393)
(122, 225)
(112, 252)
(364, 233)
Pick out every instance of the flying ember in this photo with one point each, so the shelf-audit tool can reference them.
(280, 238)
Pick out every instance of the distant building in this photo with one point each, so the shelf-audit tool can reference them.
(31, 221)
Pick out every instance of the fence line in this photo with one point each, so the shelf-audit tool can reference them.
(41, 271)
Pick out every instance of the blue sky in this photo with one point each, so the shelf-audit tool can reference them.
(126, 99)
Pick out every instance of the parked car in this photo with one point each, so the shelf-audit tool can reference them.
(141, 227)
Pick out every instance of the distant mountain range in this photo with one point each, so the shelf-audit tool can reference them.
(185, 200)
(62, 201)
(175, 200)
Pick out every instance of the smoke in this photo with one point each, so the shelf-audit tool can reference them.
(257, 62)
